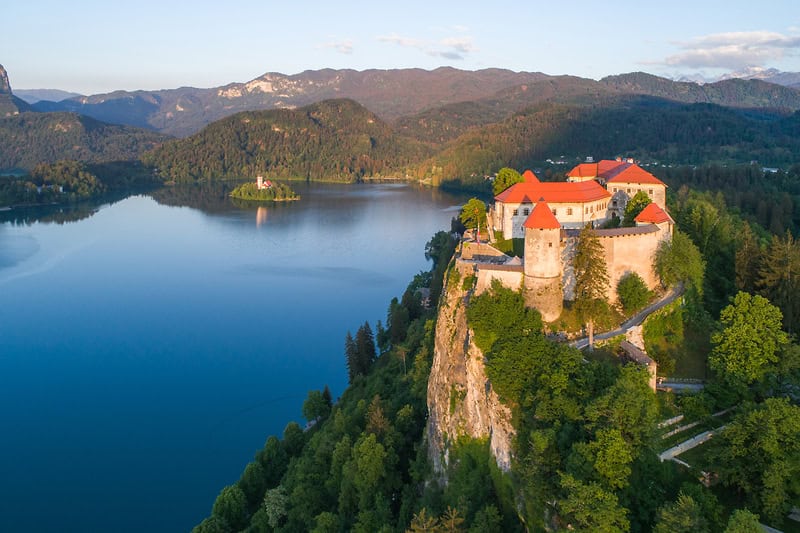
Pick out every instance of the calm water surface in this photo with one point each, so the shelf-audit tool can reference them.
(147, 351)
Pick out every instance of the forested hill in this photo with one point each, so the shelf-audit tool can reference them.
(642, 127)
(28, 139)
(335, 140)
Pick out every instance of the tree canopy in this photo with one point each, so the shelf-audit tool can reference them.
(473, 215)
(635, 206)
(750, 341)
(506, 177)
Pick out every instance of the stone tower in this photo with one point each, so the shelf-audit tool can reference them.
(543, 289)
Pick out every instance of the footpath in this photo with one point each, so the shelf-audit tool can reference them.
(633, 321)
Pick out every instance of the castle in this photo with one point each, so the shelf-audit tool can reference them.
(549, 216)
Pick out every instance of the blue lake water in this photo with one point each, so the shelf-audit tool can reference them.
(148, 350)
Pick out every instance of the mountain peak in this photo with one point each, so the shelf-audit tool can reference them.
(5, 87)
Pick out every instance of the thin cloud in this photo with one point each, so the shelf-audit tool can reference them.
(344, 46)
(734, 50)
(461, 44)
(453, 48)
(402, 41)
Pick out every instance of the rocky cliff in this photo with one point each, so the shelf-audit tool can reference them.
(461, 400)
(10, 105)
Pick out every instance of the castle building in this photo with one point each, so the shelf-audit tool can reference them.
(549, 215)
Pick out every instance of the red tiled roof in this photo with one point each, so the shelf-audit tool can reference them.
(602, 169)
(653, 214)
(542, 217)
(529, 177)
(554, 192)
(635, 174)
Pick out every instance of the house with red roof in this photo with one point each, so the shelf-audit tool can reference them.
(592, 194)
(573, 204)
(547, 215)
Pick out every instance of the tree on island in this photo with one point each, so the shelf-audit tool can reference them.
(506, 177)
(473, 215)
(591, 280)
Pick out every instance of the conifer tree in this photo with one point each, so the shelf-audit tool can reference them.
(779, 278)
(748, 257)
(351, 357)
(591, 280)
(365, 348)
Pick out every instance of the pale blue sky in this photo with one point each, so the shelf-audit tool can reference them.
(92, 46)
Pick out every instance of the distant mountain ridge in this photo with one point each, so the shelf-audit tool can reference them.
(32, 96)
(402, 94)
(388, 93)
(770, 75)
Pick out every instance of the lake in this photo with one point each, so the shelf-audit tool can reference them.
(148, 348)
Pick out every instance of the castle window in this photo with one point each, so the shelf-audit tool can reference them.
(650, 193)
(569, 210)
(585, 210)
(555, 212)
(516, 212)
(549, 244)
(526, 211)
(629, 191)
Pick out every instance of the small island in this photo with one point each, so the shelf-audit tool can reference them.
(264, 190)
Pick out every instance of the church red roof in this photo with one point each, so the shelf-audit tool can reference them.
(554, 192)
(529, 177)
(542, 217)
(635, 174)
(653, 214)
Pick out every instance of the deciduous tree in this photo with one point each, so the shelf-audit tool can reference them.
(632, 292)
(473, 215)
(750, 341)
(635, 206)
(506, 177)
(758, 453)
(679, 260)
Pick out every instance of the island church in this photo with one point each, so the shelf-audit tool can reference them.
(549, 216)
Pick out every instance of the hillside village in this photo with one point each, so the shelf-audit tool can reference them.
(549, 217)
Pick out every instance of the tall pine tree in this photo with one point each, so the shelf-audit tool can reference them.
(591, 280)
(351, 357)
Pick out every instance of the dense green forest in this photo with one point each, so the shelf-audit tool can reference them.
(70, 181)
(641, 127)
(29, 139)
(335, 140)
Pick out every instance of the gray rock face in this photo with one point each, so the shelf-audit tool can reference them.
(5, 87)
(461, 400)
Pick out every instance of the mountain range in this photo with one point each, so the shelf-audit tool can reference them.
(440, 124)
(771, 75)
(392, 94)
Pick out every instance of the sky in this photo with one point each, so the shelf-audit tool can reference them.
(93, 47)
